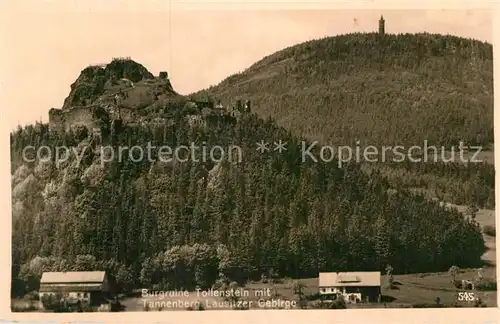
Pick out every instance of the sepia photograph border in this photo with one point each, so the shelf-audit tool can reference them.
(449, 315)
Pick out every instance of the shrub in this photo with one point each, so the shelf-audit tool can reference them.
(52, 302)
(81, 133)
(115, 306)
(314, 296)
(18, 288)
(453, 271)
(274, 276)
(32, 295)
(390, 278)
(317, 304)
(320, 304)
(486, 285)
(27, 308)
(479, 303)
(489, 230)
(457, 284)
(338, 304)
(86, 307)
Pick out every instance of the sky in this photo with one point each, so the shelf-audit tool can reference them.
(44, 47)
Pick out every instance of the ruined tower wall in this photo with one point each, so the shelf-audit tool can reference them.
(65, 120)
(79, 116)
(56, 120)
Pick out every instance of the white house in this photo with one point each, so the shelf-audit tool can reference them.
(88, 286)
(352, 286)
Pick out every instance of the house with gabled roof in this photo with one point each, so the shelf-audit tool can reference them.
(353, 287)
(84, 286)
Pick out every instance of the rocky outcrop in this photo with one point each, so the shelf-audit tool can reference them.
(88, 87)
(128, 69)
(92, 81)
(108, 92)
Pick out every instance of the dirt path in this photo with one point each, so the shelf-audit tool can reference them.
(491, 254)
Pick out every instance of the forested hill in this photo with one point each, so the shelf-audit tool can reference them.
(390, 90)
(177, 225)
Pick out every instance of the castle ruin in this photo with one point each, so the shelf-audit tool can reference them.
(107, 96)
(208, 113)
(106, 108)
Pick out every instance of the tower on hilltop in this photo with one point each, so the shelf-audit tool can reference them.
(381, 26)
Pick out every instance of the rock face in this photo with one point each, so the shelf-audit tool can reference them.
(93, 79)
(87, 87)
(102, 93)
(128, 69)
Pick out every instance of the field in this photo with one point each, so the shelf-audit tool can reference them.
(408, 291)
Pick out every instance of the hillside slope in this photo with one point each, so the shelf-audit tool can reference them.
(396, 89)
(136, 217)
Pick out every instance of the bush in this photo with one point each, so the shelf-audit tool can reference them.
(81, 133)
(190, 109)
(314, 296)
(32, 295)
(338, 304)
(85, 307)
(18, 288)
(28, 308)
(479, 303)
(52, 302)
(115, 306)
(486, 285)
(489, 230)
